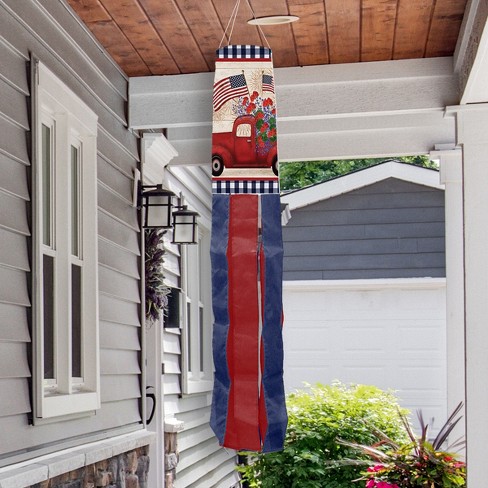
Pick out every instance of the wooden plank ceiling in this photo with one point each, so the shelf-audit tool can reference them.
(162, 37)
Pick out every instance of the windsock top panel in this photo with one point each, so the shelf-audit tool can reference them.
(244, 51)
(244, 138)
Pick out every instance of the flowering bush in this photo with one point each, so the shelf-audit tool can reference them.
(264, 110)
(417, 464)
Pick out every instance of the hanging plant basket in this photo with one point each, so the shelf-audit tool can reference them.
(156, 290)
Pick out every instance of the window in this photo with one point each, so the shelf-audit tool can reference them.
(244, 130)
(65, 251)
(197, 323)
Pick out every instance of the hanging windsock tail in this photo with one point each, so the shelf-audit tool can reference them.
(248, 407)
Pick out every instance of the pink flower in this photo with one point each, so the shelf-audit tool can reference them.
(371, 484)
(375, 468)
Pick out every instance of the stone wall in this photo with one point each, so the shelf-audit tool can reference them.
(127, 470)
(171, 458)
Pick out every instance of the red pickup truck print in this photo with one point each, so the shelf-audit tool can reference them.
(241, 149)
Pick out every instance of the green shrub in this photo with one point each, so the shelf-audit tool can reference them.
(318, 417)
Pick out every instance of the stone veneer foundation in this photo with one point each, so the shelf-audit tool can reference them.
(127, 470)
(115, 462)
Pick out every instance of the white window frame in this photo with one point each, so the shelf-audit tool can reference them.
(196, 295)
(72, 123)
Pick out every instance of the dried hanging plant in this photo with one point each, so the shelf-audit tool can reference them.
(156, 290)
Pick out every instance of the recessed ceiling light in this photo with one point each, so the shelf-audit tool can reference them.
(273, 20)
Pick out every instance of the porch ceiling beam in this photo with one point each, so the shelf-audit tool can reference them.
(331, 111)
(345, 138)
(303, 93)
(334, 145)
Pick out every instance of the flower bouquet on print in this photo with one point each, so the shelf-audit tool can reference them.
(263, 110)
(244, 139)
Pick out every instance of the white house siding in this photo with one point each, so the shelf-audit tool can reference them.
(388, 333)
(50, 31)
(203, 463)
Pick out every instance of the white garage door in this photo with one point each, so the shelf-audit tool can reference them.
(388, 333)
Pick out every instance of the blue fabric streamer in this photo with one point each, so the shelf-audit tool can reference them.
(220, 285)
(272, 335)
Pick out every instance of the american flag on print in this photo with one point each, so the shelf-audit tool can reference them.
(268, 83)
(228, 88)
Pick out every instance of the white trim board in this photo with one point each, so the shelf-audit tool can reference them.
(471, 55)
(373, 284)
(156, 153)
(359, 179)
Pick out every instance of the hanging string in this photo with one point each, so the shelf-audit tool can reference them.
(259, 27)
(232, 19)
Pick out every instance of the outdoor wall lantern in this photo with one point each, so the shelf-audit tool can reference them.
(185, 226)
(157, 213)
(156, 204)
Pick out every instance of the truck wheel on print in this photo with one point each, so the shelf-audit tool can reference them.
(248, 404)
(275, 166)
(217, 166)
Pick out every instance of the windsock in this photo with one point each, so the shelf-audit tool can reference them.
(248, 404)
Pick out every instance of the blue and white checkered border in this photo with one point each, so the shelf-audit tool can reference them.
(245, 186)
(243, 51)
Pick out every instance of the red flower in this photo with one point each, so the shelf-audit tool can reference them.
(267, 102)
(273, 111)
(254, 95)
(245, 100)
(260, 115)
(272, 133)
(264, 127)
(250, 108)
